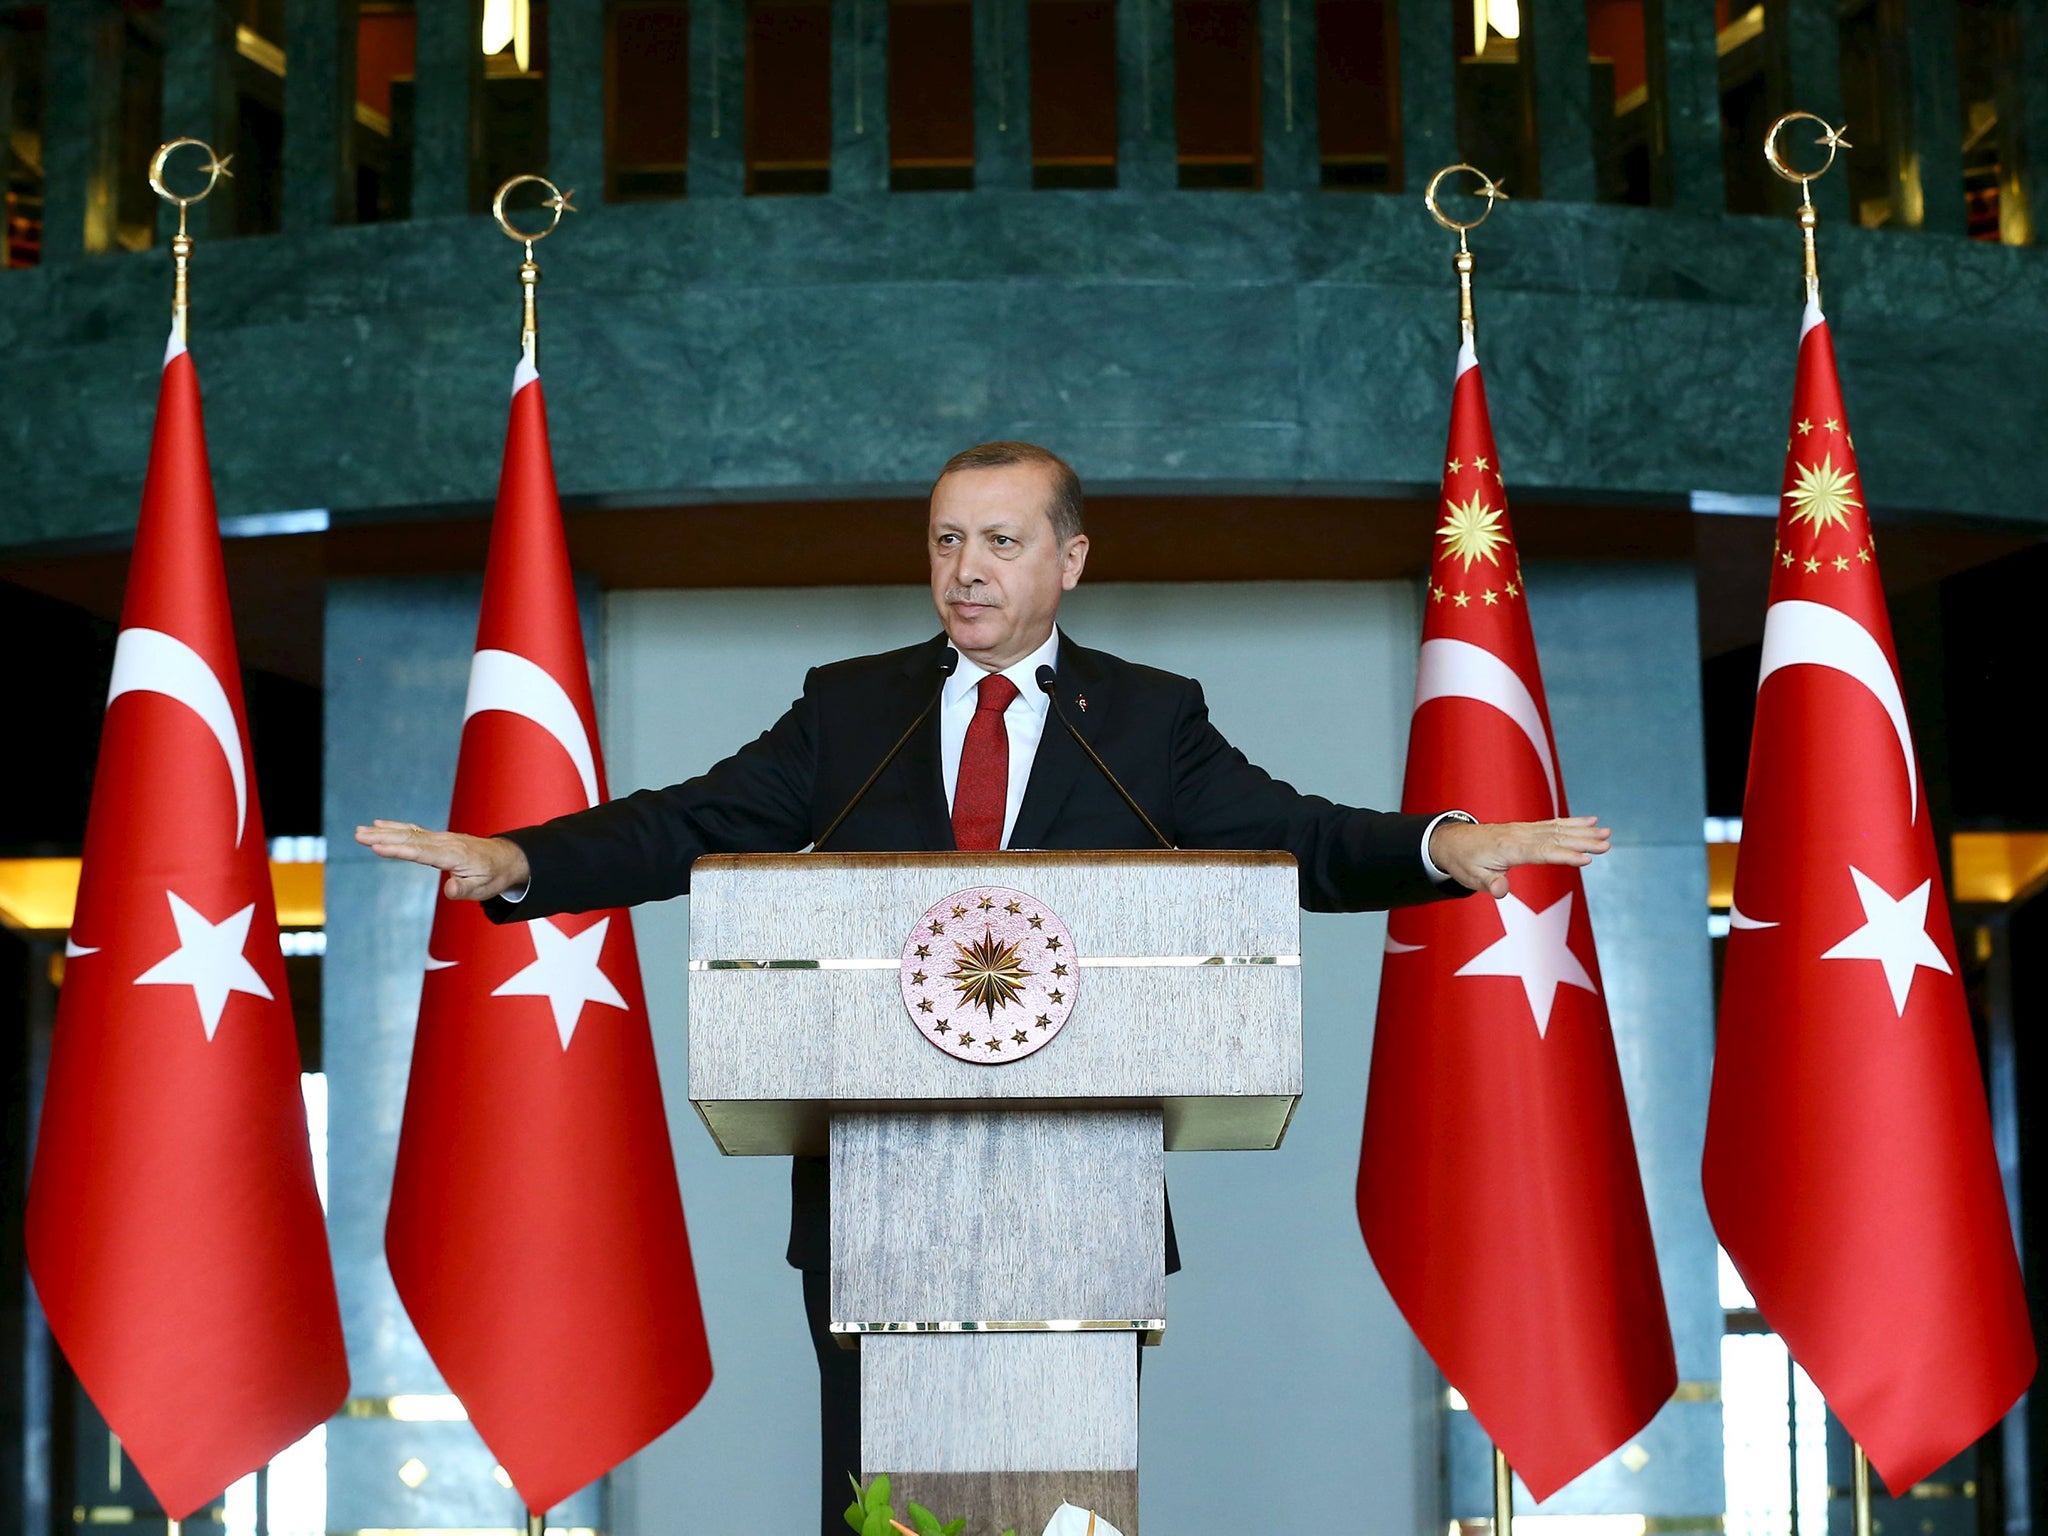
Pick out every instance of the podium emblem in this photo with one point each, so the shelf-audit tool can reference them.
(989, 974)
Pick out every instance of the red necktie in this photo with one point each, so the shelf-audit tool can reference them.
(981, 794)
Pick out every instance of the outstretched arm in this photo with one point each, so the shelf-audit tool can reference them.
(1480, 854)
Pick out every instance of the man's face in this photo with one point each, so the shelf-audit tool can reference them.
(997, 568)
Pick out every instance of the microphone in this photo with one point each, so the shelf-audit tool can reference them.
(949, 659)
(1044, 676)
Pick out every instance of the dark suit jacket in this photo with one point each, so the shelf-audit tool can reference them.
(779, 792)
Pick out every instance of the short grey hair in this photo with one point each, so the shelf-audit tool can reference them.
(1065, 505)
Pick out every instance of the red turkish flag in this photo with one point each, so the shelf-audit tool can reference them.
(536, 1231)
(1849, 1167)
(174, 1232)
(1497, 1185)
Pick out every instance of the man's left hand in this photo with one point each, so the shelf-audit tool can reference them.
(1480, 855)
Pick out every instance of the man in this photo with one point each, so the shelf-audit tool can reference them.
(991, 766)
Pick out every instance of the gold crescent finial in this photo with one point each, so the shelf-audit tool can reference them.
(181, 243)
(1490, 190)
(557, 202)
(1833, 140)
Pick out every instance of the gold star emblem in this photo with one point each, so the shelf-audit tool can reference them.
(966, 1040)
(1052, 943)
(959, 911)
(1490, 597)
(937, 926)
(1012, 908)
(1863, 555)
(993, 1043)
(1811, 565)
(1036, 920)
(917, 978)
(987, 903)
(1832, 425)
(1020, 1037)
(1786, 559)
(1454, 466)
(1841, 562)
(1058, 997)
(1805, 427)
(1472, 531)
(1481, 465)
(942, 1028)
(1436, 594)
(1514, 590)
(987, 974)
(1059, 970)
(1045, 1021)
(1823, 495)
(924, 1005)
(1461, 600)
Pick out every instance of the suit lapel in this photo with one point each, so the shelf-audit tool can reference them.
(1060, 760)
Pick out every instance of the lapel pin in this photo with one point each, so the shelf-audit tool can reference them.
(1081, 702)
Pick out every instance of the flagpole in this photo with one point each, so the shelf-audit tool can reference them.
(181, 242)
(536, 1524)
(1504, 1495)
(558, 203)
(1488, 189)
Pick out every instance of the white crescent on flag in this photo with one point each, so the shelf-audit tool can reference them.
(507, 681)
(1458, 669)
(1799, 633)
(150, 661)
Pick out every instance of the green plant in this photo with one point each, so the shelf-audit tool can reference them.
(870, 1514)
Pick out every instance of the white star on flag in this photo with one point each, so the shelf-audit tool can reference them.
(208, 959)
(1894, 934)
(565, 972)
(1533, 950)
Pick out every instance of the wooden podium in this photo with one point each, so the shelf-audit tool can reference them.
(998, 1246)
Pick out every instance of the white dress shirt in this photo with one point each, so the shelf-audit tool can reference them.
(1024, 721)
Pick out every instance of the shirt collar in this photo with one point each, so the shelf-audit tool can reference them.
(968, 675)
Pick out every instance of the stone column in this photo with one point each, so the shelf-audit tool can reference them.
(1429, 91)
(718, 98)
(1146, 152)
(1621, 668)
(1812, 48)
(319, 114)
(397, 668)
(1685, 90)
(860, 95)
(448, 64)
(1002, 94)
(1556, 38)
(1935, 110)
(1287, 49)
(575, 85)
(71, 56)
(199, 102)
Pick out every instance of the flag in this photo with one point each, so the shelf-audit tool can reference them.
(1849, 1168)
(1497, 1184)
(175, 1235)
(536, 1230)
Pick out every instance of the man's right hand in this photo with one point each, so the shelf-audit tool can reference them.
(477, 868)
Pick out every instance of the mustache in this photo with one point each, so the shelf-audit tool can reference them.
(969, 595)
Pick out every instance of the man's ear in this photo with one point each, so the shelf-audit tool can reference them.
(1071, 560)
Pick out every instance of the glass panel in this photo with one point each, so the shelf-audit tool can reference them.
(1496, 101)
(259, 117)
(1987, 59)
(789, 96)
(1357, 64)
(512, 114)
(1752, 90)
(1756, 1434)
(1073, 93)
(22, 36)
(647, 101)
(387, 37)
(1216, 93)
(1626, 117)
(931, 95)
(1883, 173)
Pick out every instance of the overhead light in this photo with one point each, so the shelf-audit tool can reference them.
(1503, 17)
(509, 24)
